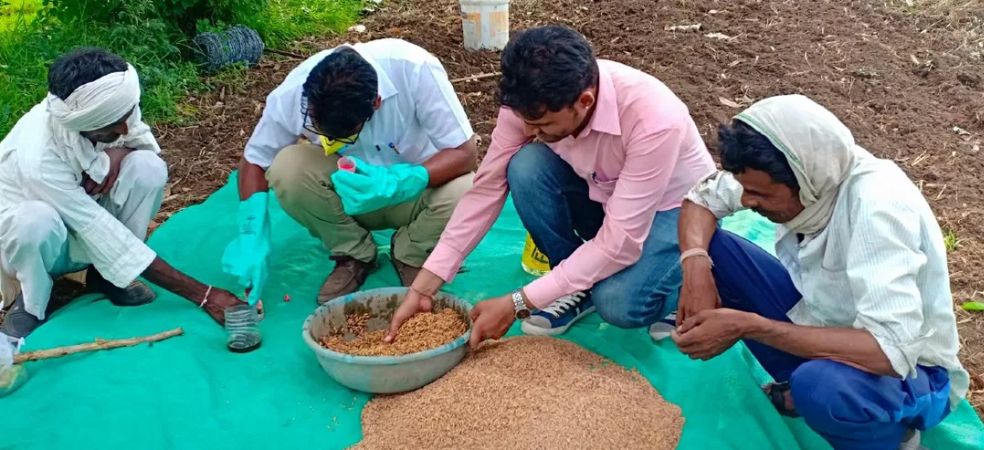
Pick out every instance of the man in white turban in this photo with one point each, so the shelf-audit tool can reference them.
(80, 180)
(853, 317)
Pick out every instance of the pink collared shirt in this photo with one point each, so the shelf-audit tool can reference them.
(640, 154)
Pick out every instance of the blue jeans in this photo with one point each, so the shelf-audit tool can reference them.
(552, 201)
(850, 408)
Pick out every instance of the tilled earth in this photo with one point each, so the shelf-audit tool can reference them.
(909, 85)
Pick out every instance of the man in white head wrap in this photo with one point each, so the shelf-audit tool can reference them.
(80, 180)
(853, 317)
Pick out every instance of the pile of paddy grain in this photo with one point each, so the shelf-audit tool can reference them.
(421, 332)
(526, 393)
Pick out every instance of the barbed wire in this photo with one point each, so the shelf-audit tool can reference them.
(238, 44)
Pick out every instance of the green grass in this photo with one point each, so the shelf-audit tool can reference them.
(13, 12)
(950, 240)
(287, 20)
(28, 47)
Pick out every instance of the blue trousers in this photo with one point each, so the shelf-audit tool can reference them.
(552, 201)
(852, 409)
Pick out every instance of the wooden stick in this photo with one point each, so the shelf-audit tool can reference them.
(477, 77)
(99, 344)
(283, 53)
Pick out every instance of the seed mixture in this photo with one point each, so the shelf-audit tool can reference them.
(421, 332)
(526, 393)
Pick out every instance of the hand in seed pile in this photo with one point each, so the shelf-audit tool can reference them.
(491, 319)
(423, 331)
(412, 304)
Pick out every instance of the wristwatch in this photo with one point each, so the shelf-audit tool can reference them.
(519, 305)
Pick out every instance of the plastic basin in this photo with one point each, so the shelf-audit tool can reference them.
(382, 374)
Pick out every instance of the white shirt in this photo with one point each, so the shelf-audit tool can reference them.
(33, 166)
(419, 115)
(879, 265)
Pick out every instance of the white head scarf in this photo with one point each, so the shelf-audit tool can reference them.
(97, 104)
(92, 106)
(820, 149)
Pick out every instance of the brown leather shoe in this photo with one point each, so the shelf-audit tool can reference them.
(347, 276)
(136, 294)
(406, 272)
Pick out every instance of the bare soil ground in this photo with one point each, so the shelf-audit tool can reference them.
(909, 84)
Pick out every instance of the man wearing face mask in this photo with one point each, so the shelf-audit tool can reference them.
(388, 107)
(598, 157)
(853, 317)
(80, 180)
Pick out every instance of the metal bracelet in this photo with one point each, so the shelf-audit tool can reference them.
(205, 299)
(696, 252)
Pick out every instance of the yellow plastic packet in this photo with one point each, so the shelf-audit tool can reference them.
(534, 261)
(330, 146)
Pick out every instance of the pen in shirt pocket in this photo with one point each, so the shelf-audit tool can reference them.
(391, 147)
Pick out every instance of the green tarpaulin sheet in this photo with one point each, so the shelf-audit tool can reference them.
(190, 392)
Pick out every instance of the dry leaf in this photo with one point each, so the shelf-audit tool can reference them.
(728, 102)
(720, 36)
(690, 27)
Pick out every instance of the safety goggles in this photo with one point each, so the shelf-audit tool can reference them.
(327, 141)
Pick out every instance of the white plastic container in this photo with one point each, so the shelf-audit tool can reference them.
(485, 24)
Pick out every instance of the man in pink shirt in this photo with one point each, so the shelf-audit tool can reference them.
(598, 157)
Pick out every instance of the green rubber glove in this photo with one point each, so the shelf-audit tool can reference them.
(246, 256)
(372, 187)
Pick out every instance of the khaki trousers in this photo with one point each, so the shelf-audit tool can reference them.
(301, 179)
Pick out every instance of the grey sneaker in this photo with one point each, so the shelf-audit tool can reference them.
(912, 441)
(18, 322)
(663, 329)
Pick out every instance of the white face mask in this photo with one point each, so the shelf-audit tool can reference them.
(102, 146)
